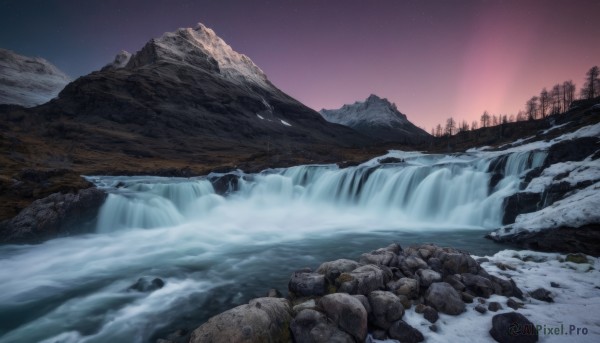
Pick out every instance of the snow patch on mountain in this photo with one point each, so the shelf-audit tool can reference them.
(28, 81)
(120, 60)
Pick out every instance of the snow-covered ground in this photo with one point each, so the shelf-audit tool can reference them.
(576, 301)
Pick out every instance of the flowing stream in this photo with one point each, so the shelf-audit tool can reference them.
(214, 251)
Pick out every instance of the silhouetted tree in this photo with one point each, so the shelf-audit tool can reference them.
(438, 130)
(556, 96)
(544, 102)
(591, 87)
(521, 116)
(485, 119)
(464, 126)
(474, 125)
(531, 107)
(568, 93)
(450, 126)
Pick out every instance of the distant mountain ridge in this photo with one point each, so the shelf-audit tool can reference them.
(28, 81)
(378, 118)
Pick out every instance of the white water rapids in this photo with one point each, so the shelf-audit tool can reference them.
(215, 251)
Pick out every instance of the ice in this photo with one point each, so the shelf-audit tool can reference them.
(285, 123)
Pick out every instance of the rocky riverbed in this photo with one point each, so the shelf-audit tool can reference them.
(422, 293)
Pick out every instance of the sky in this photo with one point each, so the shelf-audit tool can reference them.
(434, 58)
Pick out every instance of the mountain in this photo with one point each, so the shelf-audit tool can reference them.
(28, 81)
(377, 118)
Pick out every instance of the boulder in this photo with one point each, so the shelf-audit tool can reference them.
(478, 284)
(481, 309)
(542, 294)
(303, 283)
(261, 320)
(311, 326)
(513, 327)
(405, 333)
(405, 286)
(430, 314)
(309, 304)
(380, 257)
(145, 284)
(428, 276)
(386, 308)
(515, 305)
(415, 263)
(456, 262)
(494, 306)
(577, 258)
(362, 280)
(442, 297)
(455, 282)
(347, 313)
(333, 269)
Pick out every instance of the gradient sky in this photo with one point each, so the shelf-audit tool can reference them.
(433, 58)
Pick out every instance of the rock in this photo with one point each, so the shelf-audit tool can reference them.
(442, 297)
(273, 293)
(405, 286)
(420, 308)
(311, 326)
(542, 294)
(430, 314)
(390, 159)
(520, 203)
(513, 327)
(503, 266)
(405, 333)
(466, 297)
(455, 282)
(225, 184)
(307, 305)
(494, 306)
(577, 258)
(478, 284)
(481, 309)
(347, 313)
(428, 276)
(433, 328)
(435, 264)
(362, 280)
(405, 301)
(415, 263)
(482, 260)
(380, 257)
(262, 320)
(333, 269)
(481, 300)
(379, 334)
(515, 305)
(365, 302)
(554, 284)
(145, 284)
(54, 216)
(386, 308)
(503, 286)
(303, 283)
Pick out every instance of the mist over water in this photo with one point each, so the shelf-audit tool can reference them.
(215, 251)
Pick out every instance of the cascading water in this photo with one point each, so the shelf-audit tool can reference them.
(215, 251)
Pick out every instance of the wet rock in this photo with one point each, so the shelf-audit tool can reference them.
(365, 302)
(380, 257)
(577, 258)
(146, 284)
(311, 326)
(390, 159)
(405, 333)
(442, 297)
(520, 203)
(273, 293)
(415, 263)
(303, 283)
(478, 284)
(405, 301)
(466, 297)
(261, 320)
(457, 263)
(455, 282)
(481, 309)
(379, 334)
(333, 269)
(405, 286)
(307, 305)
(428, 276)
(513, 327)
(554, 284)
(347, 313)
(386, 308)
(503, 286)
(225, 184)
(542, 294)
(435, 264)
(433, 328)
(430, 314)
(362, 280)
(494, 306)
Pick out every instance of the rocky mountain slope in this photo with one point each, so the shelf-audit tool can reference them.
(28, 81)
(377, 118)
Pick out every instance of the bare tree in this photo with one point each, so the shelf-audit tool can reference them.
(544, 102)
(474, 125)
(450, 126)
(511, 118)
(591, 88)
(531, 108)
(568, 92)
(521, 116)
(438, 130)
(556, 96)
(504, 119)
(485, 119)
(464, 126)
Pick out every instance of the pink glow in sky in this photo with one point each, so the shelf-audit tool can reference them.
(433, 58)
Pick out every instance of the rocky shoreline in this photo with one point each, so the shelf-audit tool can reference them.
(374, 298)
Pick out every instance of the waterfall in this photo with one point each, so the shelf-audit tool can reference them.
(426, 189)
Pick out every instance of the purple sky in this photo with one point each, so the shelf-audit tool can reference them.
(434, 59)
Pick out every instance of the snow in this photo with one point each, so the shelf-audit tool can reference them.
(28, 81)
(285, 123)
(575, 171)
(120, 60)
(259, 116)
(576, 302)
(183, 46)
(578, 209)
(554, 128)
(373, 111)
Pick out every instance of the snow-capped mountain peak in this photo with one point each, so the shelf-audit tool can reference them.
(28, 81)
(373, 111)
(120, 60)
(200, 47)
